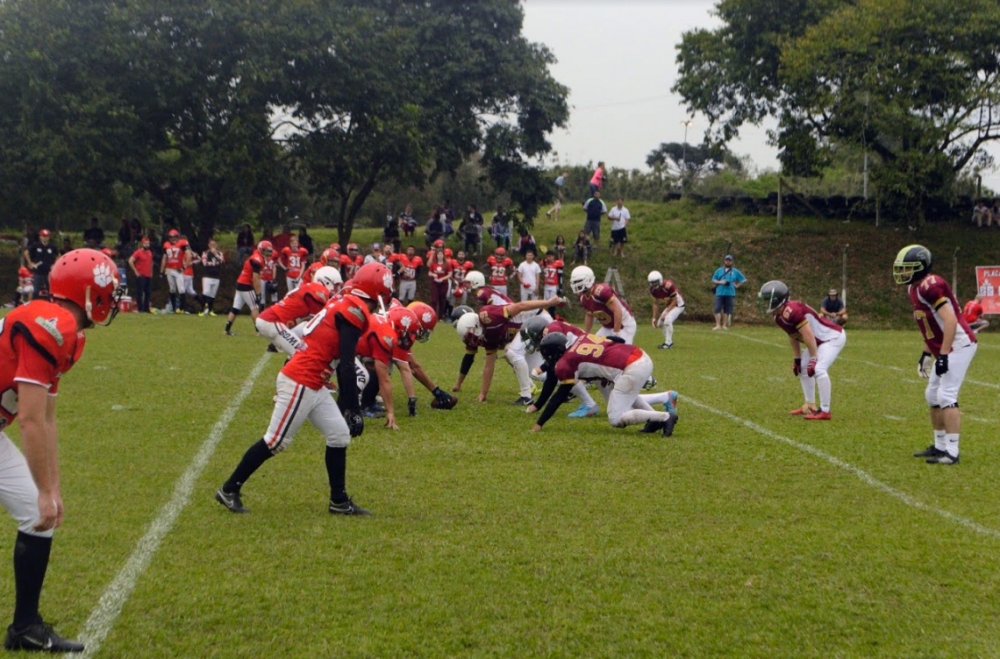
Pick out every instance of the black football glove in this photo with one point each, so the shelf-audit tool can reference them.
(811, 367)
(411, 405)
(616, 339)
(924, 365)
(797, 366)
(355, 422)
(941, 365)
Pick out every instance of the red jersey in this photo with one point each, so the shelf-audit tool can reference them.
(499, 270)
(795, 315)
(310, 272)
(439, 272)
(143, 259)
(293, 261)
(972, 311)
(255, 263)
(408, 267)
(313, 366)
(379, 342)
(596, 301)
(571, 331)
(665, 291)
(175, 254)
(487, 295)
(305, 301)
(927, 297)
(552, 272)
(267, 268)
(593, 357)
(459, 270)
(350, 266)
(39, 342)
(499, 328)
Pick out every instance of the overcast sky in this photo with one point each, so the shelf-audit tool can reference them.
(618, 59)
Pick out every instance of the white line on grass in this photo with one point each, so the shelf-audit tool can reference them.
(862, 475)
(894, 418)
(103, 617)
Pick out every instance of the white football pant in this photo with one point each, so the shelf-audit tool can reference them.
(667, 321)
(18, 492)
(296, 403)
(942, 390)
(625, 408)
(278, 333)
(175, 281)
(826, 354)
(628, 329)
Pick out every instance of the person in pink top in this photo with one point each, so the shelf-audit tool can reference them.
(597, 180)
(822, 338)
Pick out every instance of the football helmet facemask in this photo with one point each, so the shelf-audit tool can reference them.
(468, 325)
(581, 279)
(426, 319)
(265, 248)
(532, 331)
(655, 279)
(912, 264)
(772, 296)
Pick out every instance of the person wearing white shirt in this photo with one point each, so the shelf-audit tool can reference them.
(619, 217)
(529, 273)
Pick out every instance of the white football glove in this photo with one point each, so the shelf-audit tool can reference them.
(925, 365)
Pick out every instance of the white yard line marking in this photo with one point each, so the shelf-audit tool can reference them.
(103, 617)
(894, 418)
(710, 377)
(978, 418)
(862, 475)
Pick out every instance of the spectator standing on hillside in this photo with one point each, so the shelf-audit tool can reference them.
(833, 308)
(67, 246)
(529, 273)
(212, 259)
(141, 262)
(594, 208)
(407, 221)
(981, 214)
(554, 211)
(94, 236)
(581, 248)
(500, 228)
(390, 232)
(559, 248)
(619, 217)
(526, 243)
(597, 180)
(471, 229)
(973, 313)
(726, 280)
(245, 244)
(126, 241)
(39, 257)
(434, 230)
(439, 272)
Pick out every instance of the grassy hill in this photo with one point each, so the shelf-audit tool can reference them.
(686, 242)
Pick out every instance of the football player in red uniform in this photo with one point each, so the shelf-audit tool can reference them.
(408, 267)
(822, 338)
(331, 341)
(41, 341)
(602, 303)
(331, 255)
(950, 346)
(973, 312)
(293, 261)
(493, 328)
(459, 289)
(593, 357)
(267, 294)
(410, 368)
(25, 286)
(176, 257)
(388, 340)
(500, 267)
(275, 322)
(552, 272)
(662, 289)
(351, 261)
(248, 283)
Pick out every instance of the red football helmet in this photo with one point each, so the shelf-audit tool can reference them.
(335, 247)
(448, 252)
(500, 251)
(406, 325)
(173, 234)
(425, 317)
(438, 244)
(90, 279)
(265, 248)
(353, 249)
(372, 281)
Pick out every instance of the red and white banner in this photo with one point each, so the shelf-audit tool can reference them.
(988, 285)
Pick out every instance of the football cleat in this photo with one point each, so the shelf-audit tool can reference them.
(583, 411)
(650, 383)
(347, 508)
(39, 637)
(671, 404)
(943, 459)
(230, 333)
(524, 400)
(804, 410)
(665, 346)
(929, 452)
(271, 348)
(653, 426)
(668, 427)
(231, 501)
(817, 416)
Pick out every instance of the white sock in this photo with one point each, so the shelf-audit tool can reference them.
(825, 390)
(940, 443)
(951, 441)
(656, 399)
(668, 333)
(580, 389)
(808, 389)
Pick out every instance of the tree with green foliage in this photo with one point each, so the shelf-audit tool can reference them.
(913, 82)
(689, 162)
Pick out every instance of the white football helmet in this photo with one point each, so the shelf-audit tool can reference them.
(475, 280)
(581, 279)
(329, 277)
(654, 278)
(469, 324)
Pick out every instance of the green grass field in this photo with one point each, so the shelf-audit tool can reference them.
(749, 533)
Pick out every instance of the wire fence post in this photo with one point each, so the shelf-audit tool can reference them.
(843, 276)
(779, 202)
(954, 272)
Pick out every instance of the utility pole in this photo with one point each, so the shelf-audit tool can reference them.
(687, 124)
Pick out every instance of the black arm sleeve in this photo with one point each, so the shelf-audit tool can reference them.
(467, 363)
(560, 397)
(347, 380)
(547, 388)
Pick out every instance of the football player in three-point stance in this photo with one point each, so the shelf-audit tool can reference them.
(602, 302)
(822, 338)
(410, 368)
(662, 289)
(331, 338)
(40, 342)
(951, 345)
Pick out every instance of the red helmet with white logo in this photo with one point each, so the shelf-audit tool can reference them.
(426, 317)
(373, 281)
(89, 279)
(406, 325)
(265, 248)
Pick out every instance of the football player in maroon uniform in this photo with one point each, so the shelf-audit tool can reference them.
(822, 338)
(950, 346)
(602, 302)
(331, 342)
(42, 341)
(662, 289)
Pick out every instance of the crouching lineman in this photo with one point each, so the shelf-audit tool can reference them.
(822, 338)
(331, 338)
(387, 339)
(410, 368)
(593, 357)
(951, 345)
(276, 322)
(493, 328)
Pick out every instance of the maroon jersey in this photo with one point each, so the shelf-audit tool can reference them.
(487, 295)
(305, 301)
(313, 366)
(439, 272)
(571, 331)
(795, 315)
(593, 357)
(498, 328)
(927, 297)
(596, 301)
(499, 270)
(665, 291)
